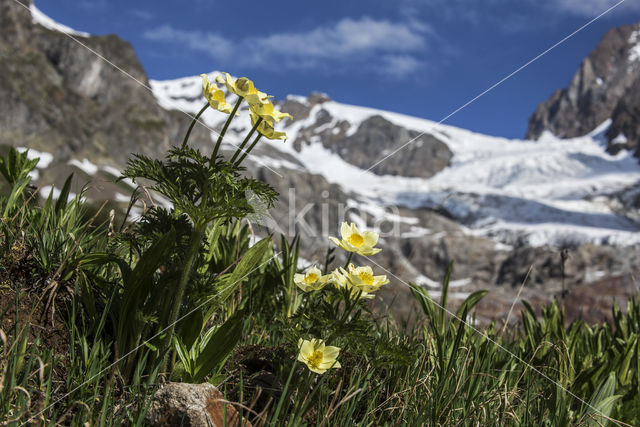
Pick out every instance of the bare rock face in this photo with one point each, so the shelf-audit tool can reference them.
(624, 132)
(194, 405)
(605, 86)
(419, 154)
(61, 98)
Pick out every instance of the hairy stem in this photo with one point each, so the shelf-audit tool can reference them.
(348, 260)
(246, 153)
(193, 123)
(224, 129)
(194, 245)
(253, 129)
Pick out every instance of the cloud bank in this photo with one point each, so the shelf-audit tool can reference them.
(388, 47)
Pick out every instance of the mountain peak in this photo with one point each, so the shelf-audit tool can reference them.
(605, 86)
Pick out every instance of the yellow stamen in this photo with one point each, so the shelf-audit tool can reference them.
(310, 278)
(315, 359)
(356, 240)
(366, 278)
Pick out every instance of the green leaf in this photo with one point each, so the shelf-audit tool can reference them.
(470, 302)
(64, 194)
(191, 326)
(602, 402)
(136, 290)
(427, 304)
(249, 262)
(445, 294)
(220, 345)
(183, 355)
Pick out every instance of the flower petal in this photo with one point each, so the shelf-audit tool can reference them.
(315, 270)
(331, 352)
(370, 238)
(345, 231)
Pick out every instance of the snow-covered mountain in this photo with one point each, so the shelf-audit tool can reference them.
(501, 209)
(534, 192)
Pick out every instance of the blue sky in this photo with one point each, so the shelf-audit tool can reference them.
(420, 57)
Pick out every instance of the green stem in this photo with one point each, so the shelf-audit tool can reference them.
(193, 122)
(224, 129)
(194, 245)
(253, 129)
(348, 260)
(246, 153)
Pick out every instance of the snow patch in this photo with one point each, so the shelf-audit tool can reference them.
(119, 197)
(47, 189)
(40, 18)
(634, 50)
(274, 163)
(85, 166)
(298, 98)
(45, 158)
(116, 174)
(620, 139)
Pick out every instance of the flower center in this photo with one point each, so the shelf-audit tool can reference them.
(243, 84)
(315, 359)
(356, 240)
(310, 278)
(367, 278)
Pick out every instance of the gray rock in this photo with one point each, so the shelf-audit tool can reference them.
(194, 405)
(419, 154)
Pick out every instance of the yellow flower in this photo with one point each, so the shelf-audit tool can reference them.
(355, 241)
(214, 95)
(258, 101)
(363, 279)
(266, 128)
(244, 88)
(268, 112)
(312, 280)
(317, 356)
(340, 278)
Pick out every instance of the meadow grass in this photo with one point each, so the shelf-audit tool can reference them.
(60, 357)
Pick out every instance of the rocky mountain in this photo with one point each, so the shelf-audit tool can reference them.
(605, 87)
(554, 213)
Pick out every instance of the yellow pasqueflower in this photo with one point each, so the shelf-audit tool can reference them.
(317, 356)
(340, 278)
(268, 112)
(266, 128)
(312, 280)
(258, 101)
(214, 95)
(244, 88)
(355, 241)
(363, 278)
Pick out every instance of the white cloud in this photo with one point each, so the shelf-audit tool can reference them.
(511, 16)
(593, 7)
(144, 15)
(345, 43)
(399, 64)
(213, 44)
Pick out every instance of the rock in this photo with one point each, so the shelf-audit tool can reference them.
(606, 86)
(624, 132)
(181, 404)
(422, 154)
(61, 98)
